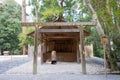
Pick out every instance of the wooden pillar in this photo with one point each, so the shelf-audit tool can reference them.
(78, 53)
(45, 46)
(104, 41)
(41, 54)
(82, 50)
(43, 50)
(35, 51)
(105, 60)
(35, 44)
(24, 49)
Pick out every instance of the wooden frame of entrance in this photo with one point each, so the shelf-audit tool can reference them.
(79, 24)
(37, 25)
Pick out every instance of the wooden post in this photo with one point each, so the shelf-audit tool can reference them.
(24, 20)
(78, 53)
(43, 50)
(35, 44)
(82, 50)
(41, 54)
(104, 41)
(105, 61)
(45, 46)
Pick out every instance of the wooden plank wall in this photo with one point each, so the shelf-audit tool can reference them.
(62, 57)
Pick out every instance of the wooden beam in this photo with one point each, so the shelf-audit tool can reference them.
(60, 24)
(58, 30)
(82, 50)
(61, 37)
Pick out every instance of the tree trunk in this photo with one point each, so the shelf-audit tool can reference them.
(24, 20)
(111, 58)
(95, 17)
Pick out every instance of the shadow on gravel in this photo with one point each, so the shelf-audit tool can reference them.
(96, 60)
(8, 64)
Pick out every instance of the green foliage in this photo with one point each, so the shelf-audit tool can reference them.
(76, 11)
(99, 52)
(107, 11)
(95, 40)
(116, 46)
(88, 40)
(108, 16)
(25, 39)
(17, 52)
(10, 16)
(50, 10)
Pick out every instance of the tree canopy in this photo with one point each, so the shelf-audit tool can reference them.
(108, 14)
(10, 17)
(69, 10)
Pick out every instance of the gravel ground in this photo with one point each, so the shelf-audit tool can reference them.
(58, 76)
(20, 68)
(8, 62)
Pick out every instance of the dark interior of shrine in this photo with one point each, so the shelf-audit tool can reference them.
(65, 49)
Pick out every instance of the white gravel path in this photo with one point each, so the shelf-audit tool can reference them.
(60, 67)
(58, 76)
(60, 71)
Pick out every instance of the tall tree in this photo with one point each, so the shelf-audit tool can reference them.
(104, 10)
(10, 16)
(24, 48)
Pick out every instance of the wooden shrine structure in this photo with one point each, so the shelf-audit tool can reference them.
(64, 37)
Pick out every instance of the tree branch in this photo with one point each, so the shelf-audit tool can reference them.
(61, 3)
(95, 17)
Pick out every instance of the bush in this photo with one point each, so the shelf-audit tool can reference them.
(17, 52)
(99, 53)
